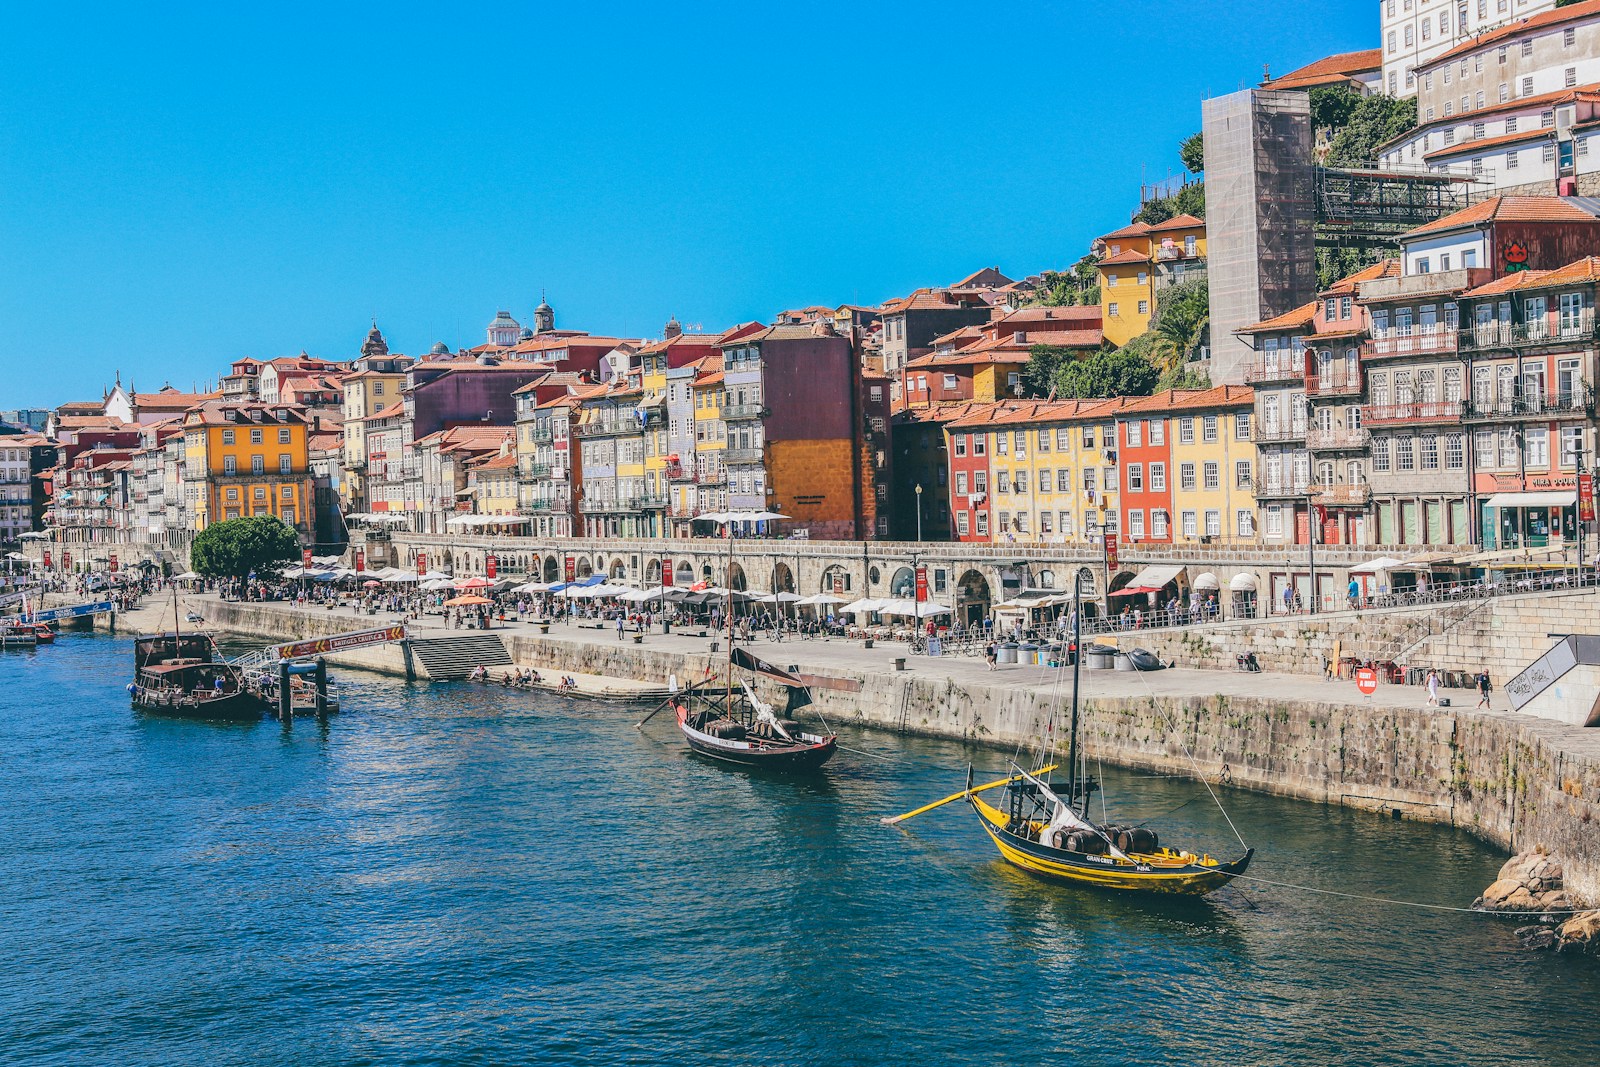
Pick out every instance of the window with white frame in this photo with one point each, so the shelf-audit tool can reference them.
(1190, 523)
(1244, 523)
(1158, 477)
(1136, 477)
(1213, 475)
(1186, 476)
(1136, 523)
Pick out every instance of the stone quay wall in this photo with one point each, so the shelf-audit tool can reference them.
(1519, 782)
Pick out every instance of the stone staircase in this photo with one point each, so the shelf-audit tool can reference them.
(456, 657)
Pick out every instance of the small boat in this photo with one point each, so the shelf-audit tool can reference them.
(42, 631)
(185, 674)
(17, 634)
(1042, 825)
(735, 725)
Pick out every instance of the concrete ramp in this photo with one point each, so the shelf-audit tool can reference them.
(1563, 684)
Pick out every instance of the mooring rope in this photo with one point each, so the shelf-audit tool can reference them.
(1410, 903)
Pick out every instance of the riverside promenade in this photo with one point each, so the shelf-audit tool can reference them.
(1518, 781)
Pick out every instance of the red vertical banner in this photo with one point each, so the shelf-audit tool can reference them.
(922, 585)
(666, 573)
(1585, 498)
(571, 569)
(361, 560)
(838, 584)
(422, 563)
(47, 559)
(491, 566)
(66, 559)
(1111, 549)
(305, 557)
(111, 563)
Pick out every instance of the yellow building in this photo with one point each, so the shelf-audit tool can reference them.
(710, 489)
(1138, 262)
(366, 392)
(248, 459)
(1188, 463)
(494, 483)
(1035, 471)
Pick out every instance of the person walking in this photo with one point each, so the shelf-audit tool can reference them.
(989, 654)
(1433, 686)
(1482, 683)
(620, 622)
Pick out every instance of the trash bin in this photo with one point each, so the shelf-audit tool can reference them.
(1099, 661)
(899, 663)
(1028, 653)
(1125, 662)
(666, 626)
(1006, 653)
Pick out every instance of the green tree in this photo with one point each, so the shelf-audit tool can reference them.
(236, 547)
(1189, 200)
(1107, 373)
(1182, 378)
(1041, 373)
(1192, 153)
(1183, 318)
(1332, 106)
(1078, 284)
(1373, 121)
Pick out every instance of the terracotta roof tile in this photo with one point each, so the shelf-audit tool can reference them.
(1298, 319)
(1388, 268)
(1329, 70)
(1126, 256)
(1218, 396)
(1132, 229)
(1508, 209)
(1179, 222)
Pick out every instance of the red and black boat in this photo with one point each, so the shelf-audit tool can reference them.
(732, 723)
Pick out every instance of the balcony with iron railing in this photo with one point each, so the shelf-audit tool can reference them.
(742, 455)
(744, 411)
(538, 470)
(1276, 433)
(1336, 438)
(715, 476)
(1438, 340)
(1421, 411)
(680, 473)
(1281, 370)
(608, 427)
(1568, 404)
(1273, 489)
(1572, 330)
(541, 435)
(652, 502)
(1339, 380)
(621, 506)
(1340, 493)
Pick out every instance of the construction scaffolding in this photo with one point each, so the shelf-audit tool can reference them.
(1369, 208)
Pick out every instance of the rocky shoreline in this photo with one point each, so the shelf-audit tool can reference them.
(1531, 885)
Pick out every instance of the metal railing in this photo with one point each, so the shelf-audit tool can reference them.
(1286, 369)
(1580, 402)
(1279, 490)
(1336, 382)
(1337, 437)
(742, 455)
(1580, 330)
(1261, 433)
(744, 411)
(1437, 340)
(1341, 493)
(1416, 411)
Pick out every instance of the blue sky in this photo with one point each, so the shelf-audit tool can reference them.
(182, 189)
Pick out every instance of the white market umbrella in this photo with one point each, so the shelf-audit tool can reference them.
(861, 607)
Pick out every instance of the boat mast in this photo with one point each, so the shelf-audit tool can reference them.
(1077, 660)
(727, 692)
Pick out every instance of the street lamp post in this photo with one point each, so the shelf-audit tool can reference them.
(919, 510)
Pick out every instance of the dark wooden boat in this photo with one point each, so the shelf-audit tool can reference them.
(734, 724)
(16, 634)
(184, 674)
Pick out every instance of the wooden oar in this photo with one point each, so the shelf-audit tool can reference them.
(892, 819)
(672, 700)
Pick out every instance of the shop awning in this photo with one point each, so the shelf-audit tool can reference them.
(1382, 563)
(1244, 582)
(1206, 580)
(1150, 580)
(1559, 499)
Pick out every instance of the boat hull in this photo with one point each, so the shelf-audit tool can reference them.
(234, 707)
(1146, 875)
(804, 756)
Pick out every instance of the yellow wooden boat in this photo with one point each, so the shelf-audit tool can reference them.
(1043, 836)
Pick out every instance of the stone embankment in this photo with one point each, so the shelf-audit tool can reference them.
(1520, 782)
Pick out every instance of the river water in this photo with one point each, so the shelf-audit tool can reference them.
(460, 875)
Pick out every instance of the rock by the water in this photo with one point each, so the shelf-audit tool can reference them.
(1537, 938)
(1528, 882)
(1581, 933)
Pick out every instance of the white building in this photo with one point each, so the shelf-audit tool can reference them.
(1414, 33)
(1517, 107)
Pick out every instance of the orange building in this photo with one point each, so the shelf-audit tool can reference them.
(248, 459)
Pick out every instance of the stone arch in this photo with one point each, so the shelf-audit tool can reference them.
(652, 572)
(552, 570)
(585, 569)
(449, 562)
(736, 578)
(683, 573)
(619, 569)
(1119, 580)
(904, 583)
(782, 579)
(973, 598)
(705, 572)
